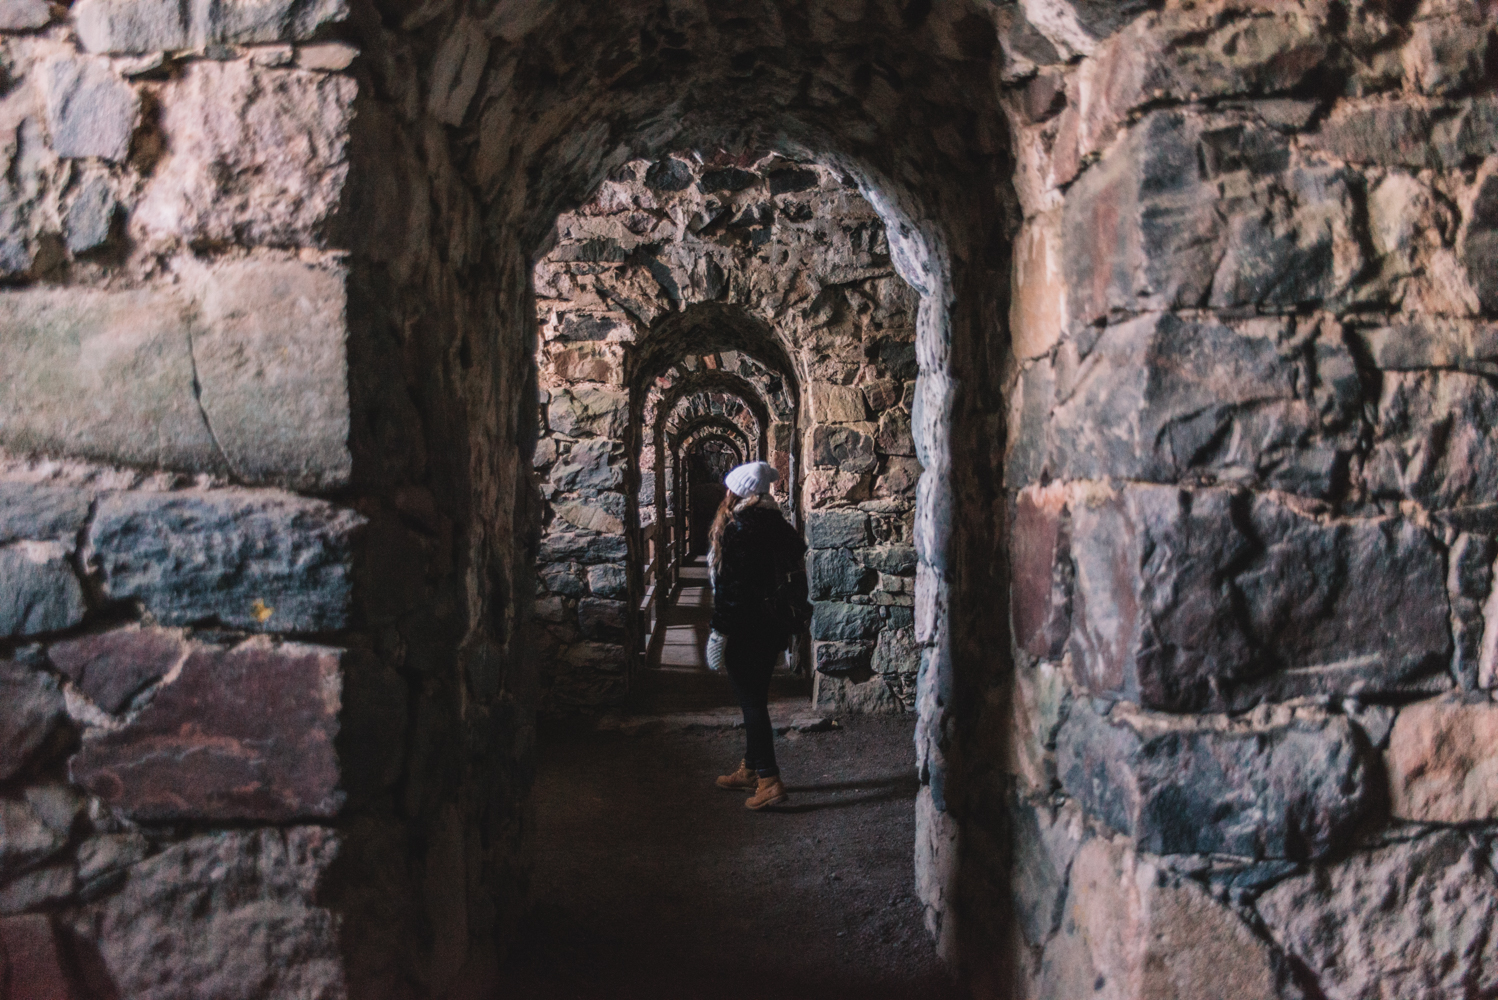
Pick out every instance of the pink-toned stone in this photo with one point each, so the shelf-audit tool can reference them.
(1038, 544)
(113, 667)
(31, 966)
(255, 156)
(1442, 765)
(1037, 309)
(240, 734)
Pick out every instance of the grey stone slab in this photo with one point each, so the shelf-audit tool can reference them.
(1209, 600)
(31, 709)
(835, 573)
(140, 26)
(91, 112)
(102, 375)
(39, 592)
(834, 528)
(1294, 790)
(90, 215)
(24, 15)
(41, 512)
(252, 559)
(834, 620)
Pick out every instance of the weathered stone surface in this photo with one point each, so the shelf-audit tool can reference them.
(855, 694)
(585, 547)
(587, 466)
(272, 369)
(24, 15)
(138, 26)
(38, 590)
(25, 840)
(1159, 397)
(896, 559)
(1039, 555)
(105, 375)
(1479, 249)
(1410, 921)
(608, 580)
(828, 529)
(251, 559)
(1292, 790)
(90, 215)
(232, 916)
(1433, 440)
(1444, 55)
(1441, 764)
(843, 659)
(1045, 843)
(836, 404)
(1152, 227)
(90, 110)
(1137, 933)
(845, 448)
(40, 512)
(835, 573)
(1078, 25)
(258, 156)
(897, 652)
(601, 619)
(1410, 134)
(31, 962)
(33, 709)
(1183, 603)
(833, 620)
(594, 514)
(239, 734)
(111, 668)
(587, 411)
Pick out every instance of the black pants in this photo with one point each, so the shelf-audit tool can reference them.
(749, 661)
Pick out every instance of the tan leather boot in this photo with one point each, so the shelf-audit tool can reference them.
(744, 777)
(768, 792)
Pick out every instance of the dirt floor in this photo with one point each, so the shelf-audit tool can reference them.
(651, 882)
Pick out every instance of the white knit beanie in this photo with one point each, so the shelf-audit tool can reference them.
(751, 478)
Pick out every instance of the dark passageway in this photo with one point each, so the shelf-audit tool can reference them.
(655, 884)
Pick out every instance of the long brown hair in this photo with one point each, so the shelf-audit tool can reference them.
(720, 524)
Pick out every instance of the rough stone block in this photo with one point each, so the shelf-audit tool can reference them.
(1192, 600)
(41, 513)
(837, 404)
(601, 619)
(894, 435)
(845, 448)
(1445, 55)
(1159, 397)
(113, 667)
(1410, 921)
(834, 620)
(1037, 306)
(90, 215)
(584, 546)
(588, 411)
(31, 709)
(1039, 554)
(39, 592)
(272, 368)
(259, 157)
(90, 110)
(31, 962)
(239, 734)
(608, 580)
(855, 695)
(1292, 790)
(24, 15)
(1441, 764)
(25, 840)
(1135, 932)
(828, 529)
(251, 559)
(104, 375)
(844, 659)
(897, 652)
(587, 466)
(1433, 441)
(835, 573)
(1151, 227)
(230, 915)
(1416, 135)
(1479, 249)
(140, 26)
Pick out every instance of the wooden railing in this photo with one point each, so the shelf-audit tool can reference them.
(662, 570)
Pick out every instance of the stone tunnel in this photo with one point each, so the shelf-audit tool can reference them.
(1131, 367)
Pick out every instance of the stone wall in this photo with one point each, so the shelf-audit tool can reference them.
(1250, 478)
(756, 292)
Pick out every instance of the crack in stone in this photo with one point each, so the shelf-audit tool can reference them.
(197, 395)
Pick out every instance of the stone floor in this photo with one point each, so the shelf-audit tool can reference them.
(651, 882)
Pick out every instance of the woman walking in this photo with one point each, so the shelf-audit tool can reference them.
(759, 601)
